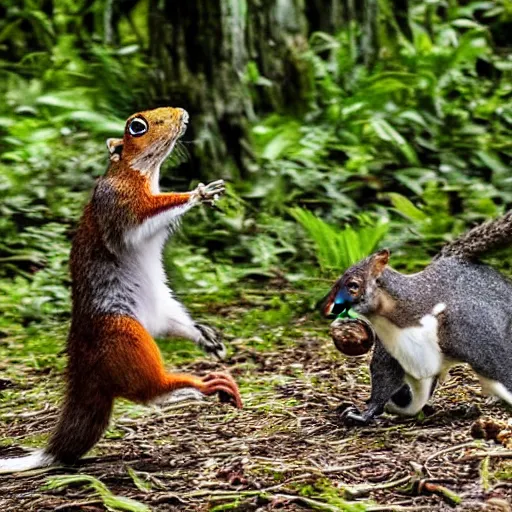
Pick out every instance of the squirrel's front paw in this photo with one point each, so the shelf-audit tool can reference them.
(211, 192)
(211, 341)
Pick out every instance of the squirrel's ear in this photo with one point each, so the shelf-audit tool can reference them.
(379, 261)
(115, 148)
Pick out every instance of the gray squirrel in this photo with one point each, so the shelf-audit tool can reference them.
(456, 310)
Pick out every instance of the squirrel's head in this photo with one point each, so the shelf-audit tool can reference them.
(149, 138)
(357, 286)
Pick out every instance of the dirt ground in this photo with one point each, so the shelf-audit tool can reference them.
(286, 450)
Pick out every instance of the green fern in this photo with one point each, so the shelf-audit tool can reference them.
(339, 249)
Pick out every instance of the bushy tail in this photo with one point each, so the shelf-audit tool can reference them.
(38, 459)
(83, 419)
(491, 235)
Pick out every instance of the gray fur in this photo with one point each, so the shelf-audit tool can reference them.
(474, 328)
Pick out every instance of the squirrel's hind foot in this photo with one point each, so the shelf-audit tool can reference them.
(351, 416)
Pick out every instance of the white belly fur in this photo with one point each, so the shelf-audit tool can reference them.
(415, 348)
(154, 299)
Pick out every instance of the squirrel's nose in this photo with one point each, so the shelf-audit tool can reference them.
(184, 115)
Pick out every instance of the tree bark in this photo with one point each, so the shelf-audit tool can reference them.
(226, 61)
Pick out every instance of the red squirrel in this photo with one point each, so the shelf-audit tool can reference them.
(120, 295)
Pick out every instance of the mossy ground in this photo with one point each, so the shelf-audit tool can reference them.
(286, 449)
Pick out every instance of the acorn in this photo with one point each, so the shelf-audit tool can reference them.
(352, 336)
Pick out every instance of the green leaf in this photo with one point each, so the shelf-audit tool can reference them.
(128, 50)
(142, 485)
(70, 100)
(387, 133)
(97, 122)
(111, 501)
(406, 208)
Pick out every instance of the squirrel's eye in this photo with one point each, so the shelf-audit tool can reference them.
(138, 127)
(352, 286)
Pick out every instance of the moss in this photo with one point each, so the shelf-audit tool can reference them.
(503, 471)
(329, 493)
(114, 433)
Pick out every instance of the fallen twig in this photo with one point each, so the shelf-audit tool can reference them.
(481, 455)
(448, 496)
(363, 489)
(471, 444)
(77, 504)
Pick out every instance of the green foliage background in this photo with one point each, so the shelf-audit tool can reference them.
(405, 152)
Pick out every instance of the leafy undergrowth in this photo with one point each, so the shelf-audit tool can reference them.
(286, 449)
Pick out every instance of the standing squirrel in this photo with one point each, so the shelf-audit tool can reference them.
(456, 310)
(120, 295)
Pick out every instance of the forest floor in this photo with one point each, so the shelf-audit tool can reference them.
(285, 450)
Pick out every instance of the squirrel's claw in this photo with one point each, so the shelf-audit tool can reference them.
(211, 341)
(352, 416)
(211, 192)
(224, 385)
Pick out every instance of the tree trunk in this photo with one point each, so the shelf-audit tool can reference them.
(224, 61)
